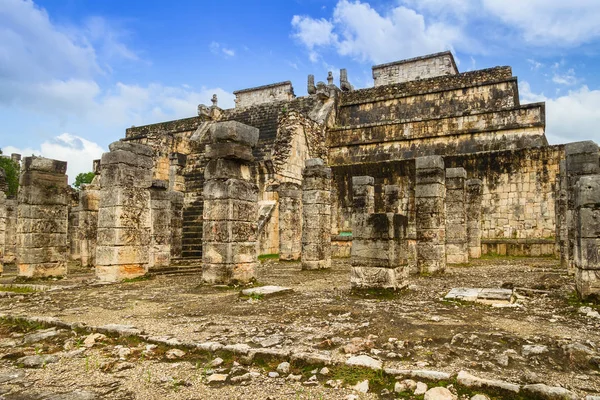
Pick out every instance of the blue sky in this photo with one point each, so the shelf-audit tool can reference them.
(75, 73)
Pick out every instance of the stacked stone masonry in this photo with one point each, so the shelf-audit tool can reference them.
(587, 237)
(230, 205)
(73, 228)
(42, 218)
(473, 210)
(290, 222)
(457, 249)
(264, 94)
(89, 200)
(430, 196)
(378, 254)
(430, 66)
(124, 216)
(2, 220)
(316, 215)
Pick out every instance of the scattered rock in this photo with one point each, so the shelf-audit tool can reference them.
(295, 378)
(542, 391)
(273, 374)
(93, 338)
(272, 341)
(216, 379)
(11, 375)
(216, 362)
(174, 354)
(471, 381)
(40, 335)
(420, 389)
(364, 361)
(533, 350)
(242, 378)
(439, 393)
(36, 361)
(284, 368)
(480, 397)
(324, 371)
(266, 291)
(362, 387)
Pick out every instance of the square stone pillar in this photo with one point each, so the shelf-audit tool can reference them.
(562, 229)
(229, 229)
(10, 241)
(587, 261)
(316, 214)
(42, 224)
(474, 189)
(124, 218)
(582, 159)
(73, 231)
(378, 253)
(176, 223)
(457, 250)
(430, 198)
(89, 200)
(2, 229)
(290, 221)
(160, 216)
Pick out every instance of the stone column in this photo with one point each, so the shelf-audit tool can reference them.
(562, 229)
(124, 222)
(42, 226)
(73, 231)
(457, 250)
(316, 215)
(176, 179)
(430, 197)
(587, 261)
(176, 223)
(582, 159)
(290, 221)
(89, 199)
(160, 216)
(229, 236)
(378, 254)
(474, 201)
(10, 243)
(2, 220)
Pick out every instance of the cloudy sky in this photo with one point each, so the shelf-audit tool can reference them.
(74, 74)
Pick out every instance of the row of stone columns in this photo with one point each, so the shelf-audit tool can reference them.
(2, 219)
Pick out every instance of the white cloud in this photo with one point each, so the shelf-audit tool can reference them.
(218, 48)
(76, 151)
(568, 78)
(571, 117)
(359, 31)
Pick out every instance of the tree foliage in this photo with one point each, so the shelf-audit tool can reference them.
(83, 178)
(11, 169)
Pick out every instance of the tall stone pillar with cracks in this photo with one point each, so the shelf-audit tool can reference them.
(124, 222)
(160, 216)
(2, 219)
(89, 200)
(430, 198)
(587, 261)
(316, 215)
(176, 223)
(42, 218)
(474, 189)
(562, 229)
(290, 221)
(230, 212)
(457, 250)
(379, 254)
(582, 159)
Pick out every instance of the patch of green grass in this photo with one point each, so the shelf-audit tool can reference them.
(574, 301)
(142, 278)
(18, 289)
(264, 257)
(381, 294)
(24, 279)
(378, 380)
(21, 325)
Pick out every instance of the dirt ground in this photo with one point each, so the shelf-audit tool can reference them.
(412, 329)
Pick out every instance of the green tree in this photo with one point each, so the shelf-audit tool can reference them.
(83, 177)
(11, 170)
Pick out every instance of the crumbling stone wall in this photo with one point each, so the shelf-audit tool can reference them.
(429, 66)
(42, 224)
(264, 94)
(124, 217)
(378, 253)
(457, 249)
(230, 205)
(587, 236)
(290, 221)
(316, 215)
(89, 200)
(430, 199)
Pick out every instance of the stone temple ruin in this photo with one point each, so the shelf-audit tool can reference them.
(426, 168)
(420, 223)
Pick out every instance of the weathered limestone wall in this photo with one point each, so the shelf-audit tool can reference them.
(42, 224)
(230, 205)
(89, 200)
(378, 254)
(587, 236)
(264, 94)
(457, 249)
(10, 244)
(582, 159)
(473, 211)
(415, 68)
(430, 198)
(290, 221)
(124, 216)
(316, 214)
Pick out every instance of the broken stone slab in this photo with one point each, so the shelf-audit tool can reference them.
(314, 162)
(364, 361)
(419, 374)
(121, 330)
(7, 376)
(533, 350)
(267, 291)
(217, 379)
(439, 393)
(210, 346)
(311, 358)
(463, 294)
(471, 381)
(481, 295)
(238, 348)
(137, 148)
(40, 335)
(234, 131)
(36, 361)
(541, 391)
